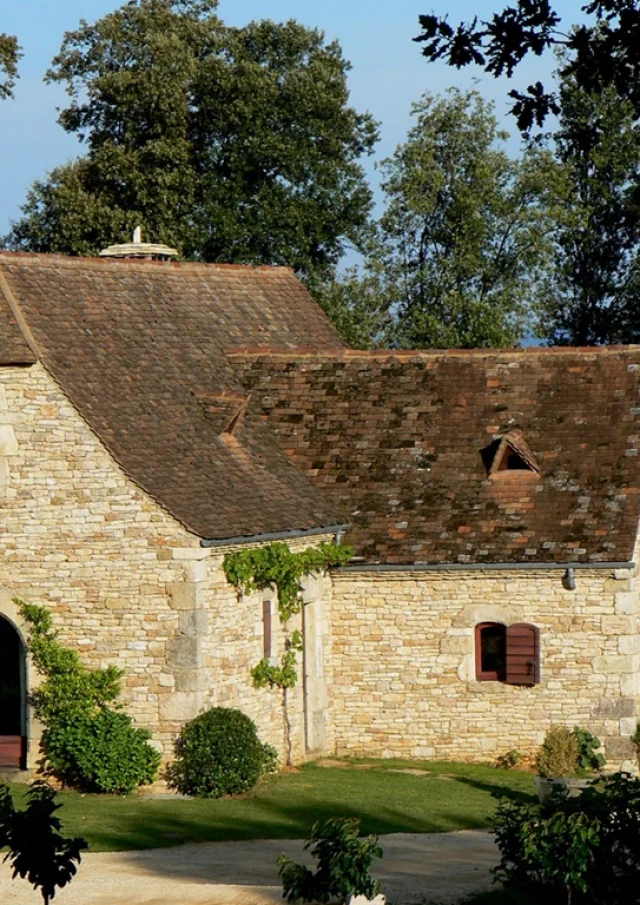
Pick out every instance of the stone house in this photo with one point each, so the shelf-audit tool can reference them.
(155, 415)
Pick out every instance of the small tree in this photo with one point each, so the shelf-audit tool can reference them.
(344, 862)
(462, 237)
(37, 850)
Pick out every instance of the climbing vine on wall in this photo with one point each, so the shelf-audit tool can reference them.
(276, 566)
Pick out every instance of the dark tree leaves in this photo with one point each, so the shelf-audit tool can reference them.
(591, 293)
(231, 144)
(603, 53)
(9, 56)
(37, 850)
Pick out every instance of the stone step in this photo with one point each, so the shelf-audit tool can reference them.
(15, 774)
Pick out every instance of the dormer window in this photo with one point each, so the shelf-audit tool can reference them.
(511, 453)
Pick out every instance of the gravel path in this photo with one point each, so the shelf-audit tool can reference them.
(440, 867)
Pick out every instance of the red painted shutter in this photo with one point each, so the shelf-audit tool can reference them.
(523, 654)
(266, 624)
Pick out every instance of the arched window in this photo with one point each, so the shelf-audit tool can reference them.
(508, 654)
(491, 651)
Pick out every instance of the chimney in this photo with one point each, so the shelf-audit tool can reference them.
(138, 249)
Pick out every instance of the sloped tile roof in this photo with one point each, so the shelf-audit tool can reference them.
(138, 346)
(399, 442)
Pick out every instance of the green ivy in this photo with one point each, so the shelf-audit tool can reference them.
(276, 566)
(285, 675)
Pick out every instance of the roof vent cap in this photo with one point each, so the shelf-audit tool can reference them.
(140, 250)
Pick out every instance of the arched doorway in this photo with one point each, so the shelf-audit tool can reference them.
(12, 696)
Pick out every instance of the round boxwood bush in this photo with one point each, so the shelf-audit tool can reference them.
(219, 753)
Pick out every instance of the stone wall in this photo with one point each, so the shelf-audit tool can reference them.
(126, 582)
(404, 665)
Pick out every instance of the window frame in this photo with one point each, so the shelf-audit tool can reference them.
(493, 675)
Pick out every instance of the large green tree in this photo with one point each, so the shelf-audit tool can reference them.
(600, 52)
(233, 144)
(9, 56)
(591, 291)
(462, 236)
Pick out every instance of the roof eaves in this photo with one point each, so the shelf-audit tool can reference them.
(273, 536)
(480, 566)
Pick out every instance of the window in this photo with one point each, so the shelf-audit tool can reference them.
(508, 454)
(509, 654)
(491, 651)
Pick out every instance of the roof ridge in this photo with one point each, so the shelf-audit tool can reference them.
(374, 354)
(81, 260)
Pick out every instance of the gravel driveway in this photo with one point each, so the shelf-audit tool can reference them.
(440, 867)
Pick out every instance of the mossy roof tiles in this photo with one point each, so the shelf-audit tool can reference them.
(398, 440)
(136, 347)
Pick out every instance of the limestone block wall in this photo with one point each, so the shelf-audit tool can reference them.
(126, 582)
(404, 668)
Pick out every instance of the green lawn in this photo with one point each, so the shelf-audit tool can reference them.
(503, 897)
(443, 797)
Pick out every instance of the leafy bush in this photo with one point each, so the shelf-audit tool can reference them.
(344, 863)
(86, 743)
(587, 847)
(590, 760)
(569, 752)
(219, 753)
(635, 738)
(37, 851)
(101, 753)
(509, 759)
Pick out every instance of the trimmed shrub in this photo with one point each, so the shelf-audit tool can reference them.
(559, 753)
(219, 753)
(567, 752)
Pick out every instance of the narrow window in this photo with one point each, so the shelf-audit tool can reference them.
(266, 625)
(491, 652)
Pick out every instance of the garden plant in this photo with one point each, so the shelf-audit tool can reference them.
(219, 753)
(88, 742)
(344, 863)
(585, 849)
(36, 848)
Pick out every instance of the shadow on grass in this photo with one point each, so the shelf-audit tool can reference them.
(285, 805)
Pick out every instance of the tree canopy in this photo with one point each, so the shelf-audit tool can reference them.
(231, 144)
(461, 239)
(9, 56)
(599, 53)
(590, 292)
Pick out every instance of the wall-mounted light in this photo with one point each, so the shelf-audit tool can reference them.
(569, 579)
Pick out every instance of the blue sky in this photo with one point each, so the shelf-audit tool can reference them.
(388, 71)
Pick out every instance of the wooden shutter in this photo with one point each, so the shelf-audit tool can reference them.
(523, 654)
(266, 624)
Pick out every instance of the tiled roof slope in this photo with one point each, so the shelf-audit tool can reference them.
(403, 442)
(138, 348)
